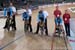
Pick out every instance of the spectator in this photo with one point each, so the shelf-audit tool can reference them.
(57, 12)
(66, 18)
(29, 11)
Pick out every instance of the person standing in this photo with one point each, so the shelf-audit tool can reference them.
(29, 11)
(45, 15)
(66, 18)
(57, 13)
(11, 10)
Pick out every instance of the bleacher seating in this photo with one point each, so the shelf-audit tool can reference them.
(20, 3)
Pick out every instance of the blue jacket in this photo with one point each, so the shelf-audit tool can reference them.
(6, 10)
(41, 16)
(58, 20)
(25, 16)
(10, 10)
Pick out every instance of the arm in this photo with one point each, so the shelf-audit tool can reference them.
(5, 12)
(30, 12)
(28, 17)
(61, 20)
(14, 10)
(46, 14)
(60, 13)
(69, 16)
(44, 19)
(63, 17)
(54, 13)
(56, 21)
(11, 11)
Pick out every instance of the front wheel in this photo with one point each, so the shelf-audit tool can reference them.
(8, 24)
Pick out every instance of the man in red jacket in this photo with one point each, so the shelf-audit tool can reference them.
(66, 18)
(57, 12)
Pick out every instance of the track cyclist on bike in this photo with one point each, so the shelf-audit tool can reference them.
(40, 18)
(25, 17)
(58, 22)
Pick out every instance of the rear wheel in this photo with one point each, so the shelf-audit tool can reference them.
(8, 24)
(25, 27)
(59, 32)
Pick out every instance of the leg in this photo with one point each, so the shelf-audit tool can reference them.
(68, 29)
(56, 26)
(6, 23)
(14, 23)
(30, 24)
(37, 28)
(46, 30)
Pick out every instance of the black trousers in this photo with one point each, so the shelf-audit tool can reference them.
(14, 22)
(30, 26)
(67, 28)
(46, 30)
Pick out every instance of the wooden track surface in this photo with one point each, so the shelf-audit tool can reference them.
(30, 41)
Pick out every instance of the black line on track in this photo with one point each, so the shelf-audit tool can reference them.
(12, 42)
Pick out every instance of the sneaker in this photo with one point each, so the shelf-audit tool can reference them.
(4, 27)
(30, 31)
(46, 34)
(35, 33)
(14, 28)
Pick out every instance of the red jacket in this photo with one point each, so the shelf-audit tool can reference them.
(57, 12)
(66, 18)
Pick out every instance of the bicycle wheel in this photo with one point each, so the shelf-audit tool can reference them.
(41, 30)
(8, 25)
